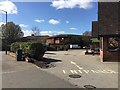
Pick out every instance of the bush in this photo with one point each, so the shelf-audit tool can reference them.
(51, 48)
(36, 50)
(14, 47)
(66, 47)
(30, 49)
(25, 47)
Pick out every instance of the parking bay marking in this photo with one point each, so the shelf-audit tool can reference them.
(64, 71)
(91, 71)
(81, 70)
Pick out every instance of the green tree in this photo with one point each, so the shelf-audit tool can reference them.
(12, 33)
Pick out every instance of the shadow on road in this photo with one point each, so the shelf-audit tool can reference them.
(44, 62)
(51, 53)
(49, 60)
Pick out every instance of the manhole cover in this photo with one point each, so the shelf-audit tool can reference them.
(75, 76)
(89, 86)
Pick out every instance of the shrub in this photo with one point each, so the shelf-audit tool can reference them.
(30, 49)
(14, 47)
(36, 50)
(66, 47)
(51, 48)
(25, 47)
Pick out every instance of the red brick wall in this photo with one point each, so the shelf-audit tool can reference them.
(95, 29)
(50, 41)
(109, 55)
(108, 18)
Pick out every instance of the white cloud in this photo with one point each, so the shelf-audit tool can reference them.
(1, 23)
(73, 28)
(53, 21)
(51, 33)
(23, 25)
(67, 22)
(39, 21)
(27, 32)
(60, 4)
(8, 6)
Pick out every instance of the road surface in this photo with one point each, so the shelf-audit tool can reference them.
(26, 75)
(90, 68)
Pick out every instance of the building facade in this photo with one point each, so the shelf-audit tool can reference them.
(109, 30)
(95, 35)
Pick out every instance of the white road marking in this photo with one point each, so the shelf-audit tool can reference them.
(74, 72)
(64, 72)
(94, 71)
(76, 65)
(104, 71)
(13, 71)
(79, 71)
(9, 72)
(86, 71)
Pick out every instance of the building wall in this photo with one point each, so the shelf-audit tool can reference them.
(107, 54)
(50, 41)
(119, 29)
(57, 41)
(95, 29)
(95, 34)
(108, 18)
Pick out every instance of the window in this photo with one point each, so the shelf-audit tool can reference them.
(113, 43)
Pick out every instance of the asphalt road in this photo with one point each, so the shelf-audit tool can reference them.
(26, 75)
(90, 68)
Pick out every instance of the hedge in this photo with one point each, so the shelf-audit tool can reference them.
(30, 49)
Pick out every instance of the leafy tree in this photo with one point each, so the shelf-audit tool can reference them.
(12, 33)
(87, 33)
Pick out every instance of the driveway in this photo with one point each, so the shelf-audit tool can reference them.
(26, 75)
(91, 70)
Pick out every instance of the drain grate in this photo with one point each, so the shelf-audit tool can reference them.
(74, 76)
(89, 87)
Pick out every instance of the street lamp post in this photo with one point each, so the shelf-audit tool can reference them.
(6, 28)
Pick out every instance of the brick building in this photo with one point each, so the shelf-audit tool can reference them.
(68, 39)
(109, 30)
(58, 39)
(95, 34)
(95, 29)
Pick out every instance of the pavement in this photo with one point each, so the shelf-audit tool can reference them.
(92, 71)
(90, 68)
(26, 75)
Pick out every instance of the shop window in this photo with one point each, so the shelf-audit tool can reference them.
(113, 44)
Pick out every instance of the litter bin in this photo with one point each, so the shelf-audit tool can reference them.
(19, 55)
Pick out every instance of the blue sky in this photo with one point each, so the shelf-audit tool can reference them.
(51, 19)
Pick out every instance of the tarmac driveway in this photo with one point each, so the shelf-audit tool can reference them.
(90, 68)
